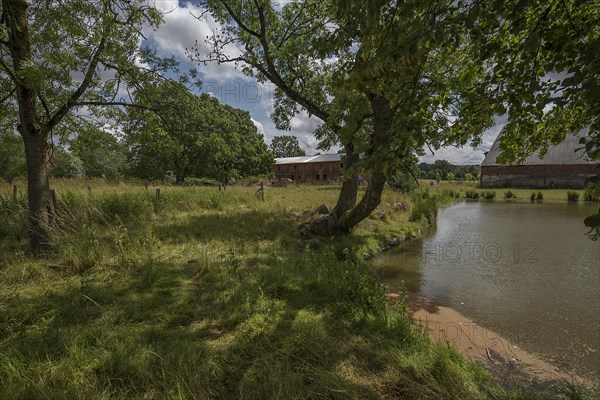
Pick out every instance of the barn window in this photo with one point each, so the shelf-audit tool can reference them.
(324, 177)
(341, 165)
(317, 176)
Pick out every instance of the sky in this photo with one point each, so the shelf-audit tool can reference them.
(182, 29)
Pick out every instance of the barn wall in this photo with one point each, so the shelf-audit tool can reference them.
(316, 172)
(537, 176)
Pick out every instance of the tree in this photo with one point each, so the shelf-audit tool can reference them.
(51, 57)
(193, 136)
(64, 164)
(544, 64)
(100, 152)
(286, 146)
(386, 78)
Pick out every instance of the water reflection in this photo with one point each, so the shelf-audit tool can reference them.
(526, 271)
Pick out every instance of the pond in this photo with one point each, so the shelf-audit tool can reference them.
(526, 271)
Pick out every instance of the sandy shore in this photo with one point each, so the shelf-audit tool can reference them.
(508, 364)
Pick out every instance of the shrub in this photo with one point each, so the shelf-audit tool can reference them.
(471, 194)
(510, 195)
(592, 194)
(489, 195)
(424, 208)
(532, 197)
(572, 196)
(540, 196)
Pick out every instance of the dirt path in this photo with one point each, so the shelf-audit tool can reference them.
(508, 364)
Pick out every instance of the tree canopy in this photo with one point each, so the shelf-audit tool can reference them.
(190, 135)
(286, 146)
(386, 78)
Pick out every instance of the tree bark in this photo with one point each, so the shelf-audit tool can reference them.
(349, 192)
(339, 221)
(33, 132)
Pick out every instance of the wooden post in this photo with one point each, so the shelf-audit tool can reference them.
(260, 193)
(146, 185)
(157, 201)
(15, 193)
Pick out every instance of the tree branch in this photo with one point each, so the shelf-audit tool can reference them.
(9, 71)
(87, 80)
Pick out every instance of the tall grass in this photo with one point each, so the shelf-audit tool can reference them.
(215, 296)
(572, 196)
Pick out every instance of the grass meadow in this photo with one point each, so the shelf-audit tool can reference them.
(213, 295)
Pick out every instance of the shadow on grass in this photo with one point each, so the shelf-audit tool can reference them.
(239, 226)
(167, 330)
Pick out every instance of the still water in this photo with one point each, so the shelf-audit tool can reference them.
(526, 271)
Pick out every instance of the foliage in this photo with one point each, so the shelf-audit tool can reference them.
(545, 68)
(592, 194)
(539, 196)
(12, 158)
(403, 78)
(64, 61)
(572, 196)
(192, 136)
(286, 146)
(471, 194)
(101, 153)
(489, 195)
(405, 179)
(509, 194)
(64, 164)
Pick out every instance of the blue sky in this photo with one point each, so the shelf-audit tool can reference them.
(182, 29)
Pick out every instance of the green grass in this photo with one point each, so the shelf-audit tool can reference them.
(215, 296)
(520, 195)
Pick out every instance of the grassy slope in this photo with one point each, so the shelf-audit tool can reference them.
(215, 297)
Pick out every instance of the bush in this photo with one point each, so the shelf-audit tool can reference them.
(471, 194)
(489, 195)
(532, 197)
(424, 208)
(453, 194)
(592, 194)
(539, 196)
(510, 195)
(572, 196)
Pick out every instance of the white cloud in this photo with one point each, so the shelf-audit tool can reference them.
(467, 154)
(186, 28)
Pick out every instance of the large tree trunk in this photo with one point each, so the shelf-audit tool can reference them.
(41, 206)
(34, 133)
(347, 199)
(352, 215)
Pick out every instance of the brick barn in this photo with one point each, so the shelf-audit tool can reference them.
(564, 165)
(310, 169)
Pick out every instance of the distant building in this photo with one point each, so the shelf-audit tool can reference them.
(310, 169)
(564, 165)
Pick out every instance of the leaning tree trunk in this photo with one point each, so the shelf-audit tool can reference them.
(344, 221)
(347, 198)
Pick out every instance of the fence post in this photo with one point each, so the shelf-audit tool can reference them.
(260, 193)
(15, 193)
(157, 201)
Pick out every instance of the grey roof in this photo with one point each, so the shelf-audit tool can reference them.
(309, 159)
(568, 152)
